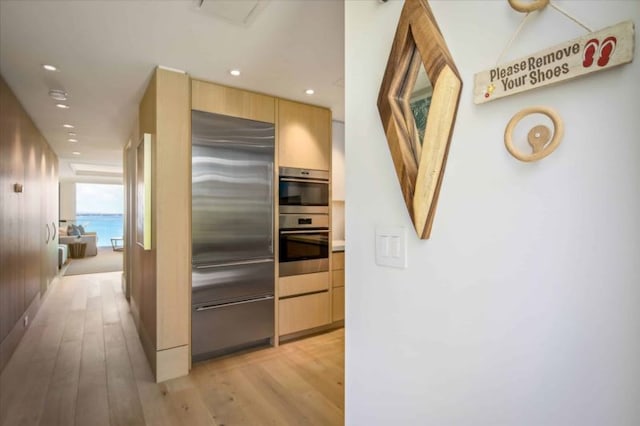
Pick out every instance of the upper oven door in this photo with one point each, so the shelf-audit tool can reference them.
(299, 193)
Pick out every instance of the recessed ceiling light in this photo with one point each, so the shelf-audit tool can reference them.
(63, 106)
(72, 140)
(72, 134)
(75, 153)
(309, 91)
(68, 126)
(49, 67)
(234, 73)
(58, 95)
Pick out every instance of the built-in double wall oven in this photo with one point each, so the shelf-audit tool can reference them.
(304, 221)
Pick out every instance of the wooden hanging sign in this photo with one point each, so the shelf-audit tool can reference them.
(593, 52)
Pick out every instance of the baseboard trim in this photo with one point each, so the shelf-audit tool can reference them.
(172, 363)
(148, 346)
(311, 331)
(125, 287)
(11, 342)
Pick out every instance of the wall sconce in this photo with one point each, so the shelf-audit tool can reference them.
(17, 187)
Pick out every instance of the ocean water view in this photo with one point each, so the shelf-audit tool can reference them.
(107, 226)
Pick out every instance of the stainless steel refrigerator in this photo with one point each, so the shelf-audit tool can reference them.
(232, 234)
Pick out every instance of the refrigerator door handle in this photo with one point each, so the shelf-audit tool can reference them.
(225, 305)
(242, 262)
(272, 199)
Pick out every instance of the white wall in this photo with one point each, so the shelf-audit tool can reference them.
(524, 306)
(67, 200)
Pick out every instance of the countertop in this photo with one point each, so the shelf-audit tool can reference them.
(337, 245)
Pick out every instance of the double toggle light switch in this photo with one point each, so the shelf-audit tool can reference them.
(391, 247)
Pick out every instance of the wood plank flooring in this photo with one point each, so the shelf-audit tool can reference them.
(81, 363)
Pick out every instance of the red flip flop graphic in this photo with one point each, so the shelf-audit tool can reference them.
(590, 49)
(606, 50)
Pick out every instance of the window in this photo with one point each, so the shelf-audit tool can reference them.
(99, 209)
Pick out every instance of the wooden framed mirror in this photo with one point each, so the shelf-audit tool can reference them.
(418, 101)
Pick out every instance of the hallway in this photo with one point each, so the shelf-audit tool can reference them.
(81, 363)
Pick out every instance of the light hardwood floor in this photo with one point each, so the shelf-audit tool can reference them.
(81, 363)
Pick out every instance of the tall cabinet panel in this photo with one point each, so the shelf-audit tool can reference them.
(54, 200)
(49, 217)
(33, 230)
(161, 274)
(304, 135)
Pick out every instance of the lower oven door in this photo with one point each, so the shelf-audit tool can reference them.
(303, 251)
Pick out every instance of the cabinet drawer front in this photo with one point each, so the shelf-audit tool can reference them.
(337, 278)
(338, 304)
(304, 312)
(215, 331)
(337, 259)
(301, 284)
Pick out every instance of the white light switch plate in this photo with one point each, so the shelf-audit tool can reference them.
(391, 246)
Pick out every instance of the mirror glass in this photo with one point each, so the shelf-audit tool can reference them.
(420, 100)
(414, 99)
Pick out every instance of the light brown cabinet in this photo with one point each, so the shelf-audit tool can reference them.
(160, 278)
(303, 312)
(304, 136)
(210, 97)
(337, 284)
(303, 284)
(303, 302)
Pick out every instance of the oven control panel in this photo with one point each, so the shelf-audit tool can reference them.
(297, 221)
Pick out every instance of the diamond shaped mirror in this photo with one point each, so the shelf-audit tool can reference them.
(418, 101)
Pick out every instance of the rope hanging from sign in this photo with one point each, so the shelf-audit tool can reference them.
(573, 18)
(513, 37)
(530, 7)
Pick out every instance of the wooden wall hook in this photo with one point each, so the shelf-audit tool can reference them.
(525, 6)
(538, 136)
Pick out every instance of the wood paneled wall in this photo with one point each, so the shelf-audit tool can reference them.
(29, 220)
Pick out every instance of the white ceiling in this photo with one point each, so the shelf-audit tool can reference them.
(105, 51)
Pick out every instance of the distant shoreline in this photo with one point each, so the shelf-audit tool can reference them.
(98, 214)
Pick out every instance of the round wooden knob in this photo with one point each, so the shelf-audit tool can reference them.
(538, 136)
(528, 6)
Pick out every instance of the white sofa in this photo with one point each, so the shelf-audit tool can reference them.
(90, 238)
